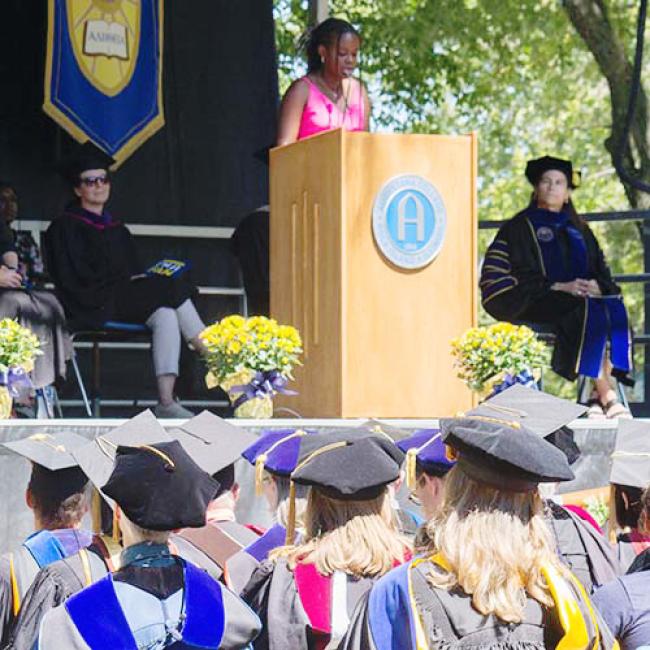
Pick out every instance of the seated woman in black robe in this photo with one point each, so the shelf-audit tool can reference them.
(546, 267)
(22, 298)
(94, 264)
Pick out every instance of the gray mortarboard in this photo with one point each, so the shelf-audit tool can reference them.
(213, 443)
(541, 413)
(97, 458)
(631, 457)
(381, 428)
(504, 454)
(52, 455)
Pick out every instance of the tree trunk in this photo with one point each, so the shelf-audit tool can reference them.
(591, 20)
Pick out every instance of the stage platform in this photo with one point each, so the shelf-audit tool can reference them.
(595, 438)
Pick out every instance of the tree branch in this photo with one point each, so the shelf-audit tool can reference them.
(591, 20)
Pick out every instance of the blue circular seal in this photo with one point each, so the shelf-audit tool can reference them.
(409, 221)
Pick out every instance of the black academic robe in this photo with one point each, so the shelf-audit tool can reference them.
(53, 585)
(515, 287)
(585, 552)
(92, 261)
(403, 611)
(295, 607)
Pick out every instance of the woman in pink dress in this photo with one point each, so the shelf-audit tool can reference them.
(328, 96)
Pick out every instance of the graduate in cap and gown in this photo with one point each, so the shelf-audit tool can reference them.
(629, 479)
(426, 465)
(215, 445)
(155, 599)
(409, 521)
(59, 496)
(57, 581)
(93, 261)
(582, 547)
(307, 590)
(546, 267)
(491, 578)
(625, 602)
(274, 455)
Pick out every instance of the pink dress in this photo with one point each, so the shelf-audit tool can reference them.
(321, 114)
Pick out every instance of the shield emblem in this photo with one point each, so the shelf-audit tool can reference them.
(105, 36)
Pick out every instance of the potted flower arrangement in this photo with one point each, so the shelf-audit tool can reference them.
(252, 360)
(18, 349)
(492, 358)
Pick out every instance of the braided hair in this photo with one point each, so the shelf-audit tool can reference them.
(325, 33)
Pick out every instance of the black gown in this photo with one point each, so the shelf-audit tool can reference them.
(92, 259)
(516, 287)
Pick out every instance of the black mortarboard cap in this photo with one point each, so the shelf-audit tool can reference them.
(631, 457)
(160, 487)
(504, 454)
(348, 465)
(87, 156)
(213, 443)
(544, 414)
(97, 457)
(53, 461)
(535, 169)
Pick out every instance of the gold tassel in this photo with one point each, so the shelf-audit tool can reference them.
(96, 512)
(259, 474)
(451, 454)
(411, 466)
(291, 516)
(116, 526)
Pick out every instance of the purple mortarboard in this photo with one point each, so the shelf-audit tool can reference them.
(275, 451)
(425, 448)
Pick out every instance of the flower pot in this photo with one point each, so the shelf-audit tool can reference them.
(259, 408)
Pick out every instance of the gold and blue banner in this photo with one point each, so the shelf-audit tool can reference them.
(103, 76)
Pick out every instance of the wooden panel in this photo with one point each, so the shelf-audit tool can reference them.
(305, 267)
(398, 324)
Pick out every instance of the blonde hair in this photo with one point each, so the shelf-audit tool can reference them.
(137, 534)
(359, 538)
(495, 543)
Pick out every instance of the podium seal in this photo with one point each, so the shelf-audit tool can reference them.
(409, 221)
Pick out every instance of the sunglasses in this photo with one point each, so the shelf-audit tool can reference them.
(95, 181)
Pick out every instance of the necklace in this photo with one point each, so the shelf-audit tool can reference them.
(334, 97)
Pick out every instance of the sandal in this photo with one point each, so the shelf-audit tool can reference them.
(614, 409)
(594, 408)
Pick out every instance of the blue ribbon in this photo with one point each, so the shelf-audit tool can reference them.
(525, 378)
(263, 384)
(606, 318)
(14, 379)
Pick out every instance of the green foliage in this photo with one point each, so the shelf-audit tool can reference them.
(515, 72)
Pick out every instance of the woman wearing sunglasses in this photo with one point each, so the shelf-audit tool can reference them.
(94, 263)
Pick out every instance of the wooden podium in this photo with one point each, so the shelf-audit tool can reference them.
(376, 337)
